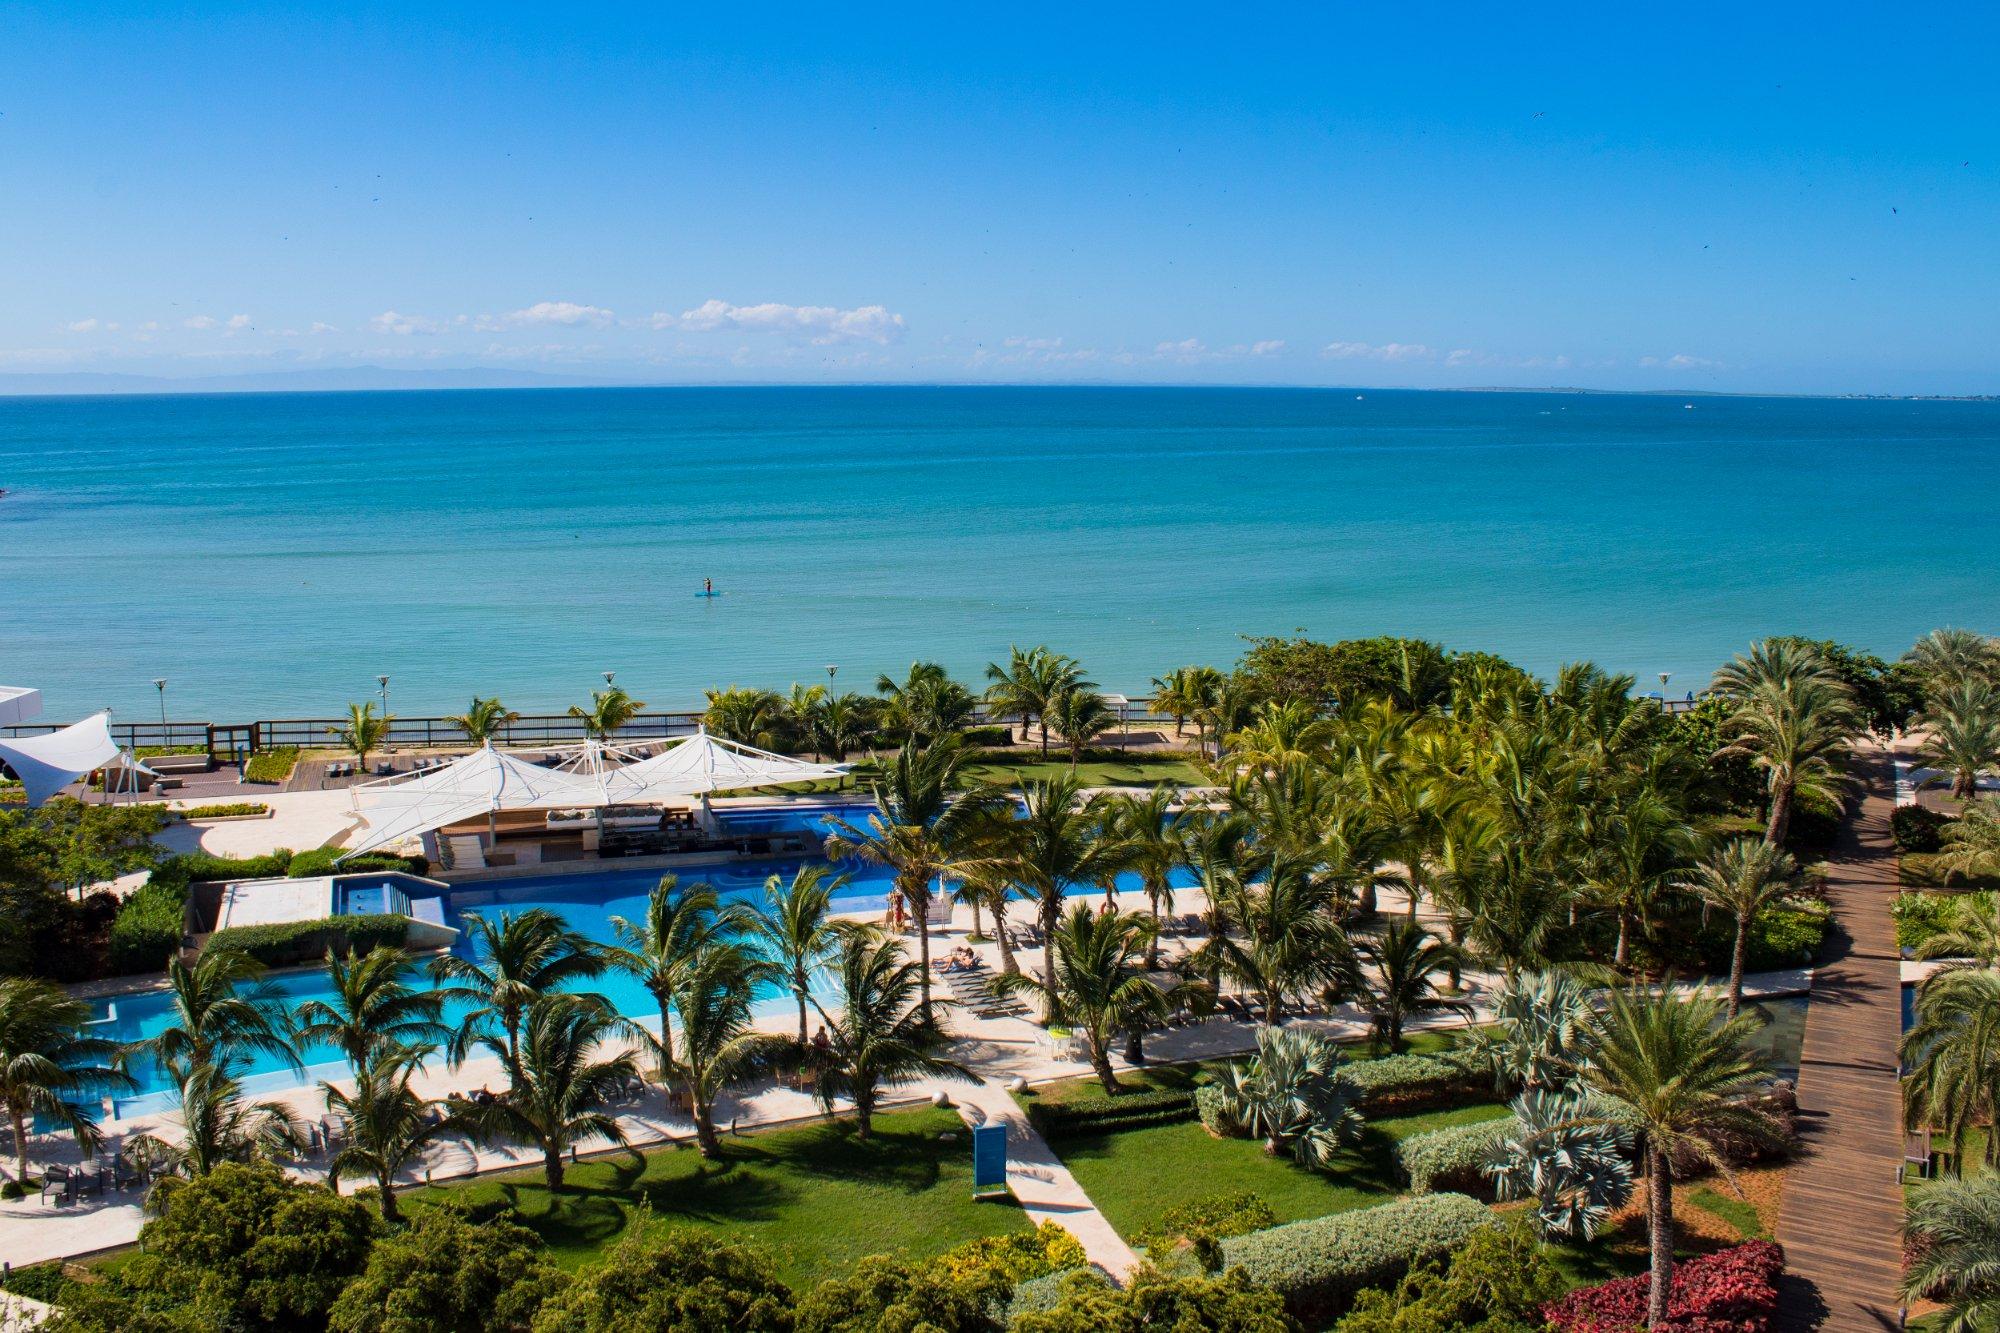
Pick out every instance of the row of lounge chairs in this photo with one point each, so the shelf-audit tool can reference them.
(971, 985)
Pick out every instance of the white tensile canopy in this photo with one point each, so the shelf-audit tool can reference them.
(489, 781)
(49, 762)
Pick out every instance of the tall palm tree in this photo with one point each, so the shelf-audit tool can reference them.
(484, 720)
(1962, 734)
(558, 1098)
(885, 1032)
(1280, 935)
(1080, 715)
(366, 731)
(1398, 982)
(514, 959)
(1213, 846)
(1947, 657)
(50, 1064)
(1742, 877)
(1636, 855)
(610, 709)
(218, 1123)
(718, 1045)
(1100, 986)
(1183, 693)
(1673, 1071)
(1059, 842)
(1281, 735)
(1972, 842)
(371, 1006)
(1028, 684)
(983, 885)
(1954, 1227)
(843, 723)
(925, 820)
(801, 709)
(927, 705)
(389, 1126)
(1952, 1051)
(679, 926)
(1792, 717)
(1227, 708)
(797, 928)
(747, 716)
(1152, 836)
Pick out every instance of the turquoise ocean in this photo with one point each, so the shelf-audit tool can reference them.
(270, 555)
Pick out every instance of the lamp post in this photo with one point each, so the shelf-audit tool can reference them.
(607, 678)
(160, 684)
(1665, 676)
(832, 669)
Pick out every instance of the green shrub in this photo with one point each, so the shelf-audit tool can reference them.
(1039, 1295)
(272, 765)
(1158, 1301)
(991, 736)
(1416, 1082)
(1319, 1266)
(325, 861)
(225, 810)
(1451, 1158)
(12, 1190)
(1815, 824)
(1784, 935)
(1917, 829)
(208, 868)
(1237, 1213)
(1211, 1103)
(38, 1282)
(285, 942)
(147, 929)
(1497, 1282)
(1131, 1110)
(1920, 916)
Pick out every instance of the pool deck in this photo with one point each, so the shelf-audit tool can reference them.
(1842, 1213)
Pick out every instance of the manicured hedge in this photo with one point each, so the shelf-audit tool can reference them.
(1452, 1158)
(1416, 1082)
(208, 868)
(147, 929)
(272, 765)
(1217, 1215)
(1039, 1295)
(1319, 1265)
(992, 736)
(1211, 1104)
(1131, 1110)
(1917, 829)
(288, 942)
(322, 861)
(226, 810)
(1730, 1291)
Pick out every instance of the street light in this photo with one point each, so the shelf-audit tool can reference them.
(160, 684)
(607, 678)
(1665, 676)
(831, 669)
(383, 681)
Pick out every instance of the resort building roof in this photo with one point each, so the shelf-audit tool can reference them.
(49, 762)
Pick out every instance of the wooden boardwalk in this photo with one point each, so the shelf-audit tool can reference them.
(1842, 1215)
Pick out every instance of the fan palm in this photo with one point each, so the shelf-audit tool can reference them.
(1152, 836)
(512, 959)
(1741, 877)
(1952, 1051)
(1100, 984)
(1577, 1172)
(1674, 1072)
(366, 732)
(1027, 685)
(1541, 1036)
(484, 720)
(1962, 734)
(1059, 842)
(558, 1097)
(797, 928)
(1399, 981)
(924, 822)
(1290, 1094)
(660, 950)
(50, 1065)
(370, 1007)
(885, 1033)
(1954, 1230)
(610, 709)
(1280, 935)
(1079, 714)
(389, 1127)
(1792, 717)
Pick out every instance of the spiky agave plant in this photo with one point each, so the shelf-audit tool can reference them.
(1290, 1094)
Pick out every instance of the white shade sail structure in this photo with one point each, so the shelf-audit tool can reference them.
(489, 781)
(49, 762)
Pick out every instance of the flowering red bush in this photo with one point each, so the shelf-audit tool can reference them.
(1730, 1291)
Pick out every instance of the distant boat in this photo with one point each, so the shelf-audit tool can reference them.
(1687, 407)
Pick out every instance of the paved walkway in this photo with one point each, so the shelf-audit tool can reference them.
(1842, 1215)
(1043, 1186)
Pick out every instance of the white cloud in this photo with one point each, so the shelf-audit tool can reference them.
(1679, 361)
(91, 325)
(822, 324)
(1186, 350)
(566, 313)
(1268, 347)
(319, 327)
(200, 322)
(1353, 351)
(391, 321)
(237, 323)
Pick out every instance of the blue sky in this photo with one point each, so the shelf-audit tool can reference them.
(1781, 198)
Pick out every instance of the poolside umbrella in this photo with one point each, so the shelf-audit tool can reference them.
(485, 782)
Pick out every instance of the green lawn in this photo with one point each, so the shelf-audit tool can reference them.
(1100, 768)
(814, 1196)
(1136, 1175)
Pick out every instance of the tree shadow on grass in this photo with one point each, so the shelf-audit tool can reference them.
(571, 1218)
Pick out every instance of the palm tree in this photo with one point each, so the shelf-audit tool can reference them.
(515, 959)
(1183, 693)
(1280, 935)
(1947, 657)
(1636, 855)
(1028, 684)
(1972, 842)
(610, 709)
(483, 720)
(718, 1046)
(1100, 982)
(1792, 717)
(1283, 734)
(844, 722)
(365, 732)
(1079, 714)
(389, 1127)
(1059, 842)
(50, 1065)
(797, 928)
(802, 709)
(1399, 981)
(984, 885)
(217, 1124)
(1152, 837)
(1541, 1035)
(923, 823)
(215, 1022)
(1952, 1051)
(1962, 726)
(371, 1008)
(1213, 846)
(556, 1100)
(1227, 708)
(927, 705)
(747, 716)
(679, 927)
(885, 1034)
(1290, 1094)
(1954, 1230)
(1972, 937)
(1672, 1070)
(1742, 876)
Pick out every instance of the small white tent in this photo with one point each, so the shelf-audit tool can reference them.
(49, 762)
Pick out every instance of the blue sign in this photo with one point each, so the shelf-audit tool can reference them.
(989, 1157)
